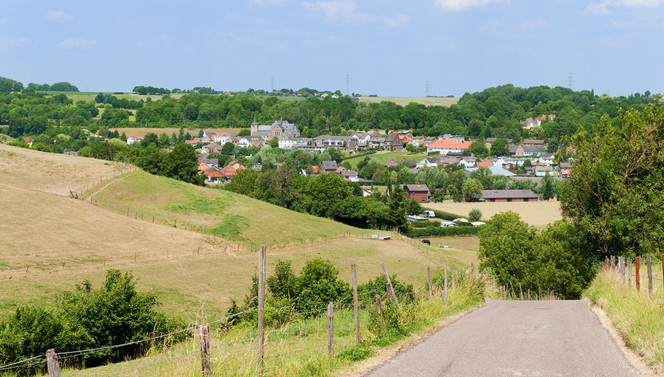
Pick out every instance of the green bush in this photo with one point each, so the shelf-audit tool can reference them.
(445, 215)
(474, 215)
(442, 231)
(85, 318)
(405, 292)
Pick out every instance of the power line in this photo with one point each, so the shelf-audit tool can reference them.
(570, 80)
(426, 89)
(348, 83)
(272, 83)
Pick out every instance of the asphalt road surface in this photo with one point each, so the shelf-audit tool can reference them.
(516, 338)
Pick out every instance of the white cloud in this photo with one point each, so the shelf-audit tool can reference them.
(598, 9)
(348, 10)
(602, 8)
(461, 5)
(76, 43)
(59, 16)
(12, 42)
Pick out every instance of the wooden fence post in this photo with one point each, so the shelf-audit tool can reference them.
(205, 349)
(445, 273)
(429, 275)
(649, 263)
(629, 273)
(637, 262)
(378, 306)
(606, 262)
(520, 292)
(613, 262)
(390, 288)
(621, 267)
(261, 308)
(356, 304)
(52, 363)
(453, 281)
(330, 329)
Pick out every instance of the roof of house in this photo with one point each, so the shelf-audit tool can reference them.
(495, 170)
(484, 164)
(391, 163)
(213, 173)
(329, 165)
(349, 173)
(534, 142)
(509, 194)
(449, 144)
(416, 188)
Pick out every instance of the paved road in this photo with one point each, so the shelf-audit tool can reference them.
(516, 338)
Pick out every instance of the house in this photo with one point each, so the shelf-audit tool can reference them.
(495, 170)
(29, 141)
(428, 162)
(533, 150)
(534, 142)
(329, 166)
(452, 160)
(391, 164)
(417, 192)
(509, 196)
(134, 140)
(213, 176)
(541, 171)
(534, 122)
(445, 146)
(468, 162)
(485, 164)
(350, 175)
(565, 169)
(223, 137)
(490, 140)
(280, 129)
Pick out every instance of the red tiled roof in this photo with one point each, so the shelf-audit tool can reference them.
(213, 174)
(484, 164)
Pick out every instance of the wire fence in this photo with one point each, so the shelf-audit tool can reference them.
(306, 337)
(639, 272)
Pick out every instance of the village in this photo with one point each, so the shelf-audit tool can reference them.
(527, 161)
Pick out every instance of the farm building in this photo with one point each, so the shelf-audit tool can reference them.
(417, 192)
(509, 196)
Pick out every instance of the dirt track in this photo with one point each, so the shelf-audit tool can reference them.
(516, 338)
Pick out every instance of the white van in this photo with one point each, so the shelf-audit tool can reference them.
(428, 213)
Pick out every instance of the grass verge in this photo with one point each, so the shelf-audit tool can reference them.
(300, 347)
(637, 316)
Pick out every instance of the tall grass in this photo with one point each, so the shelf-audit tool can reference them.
(299, 348)
(637, 316)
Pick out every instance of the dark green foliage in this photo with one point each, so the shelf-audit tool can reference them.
(443, 231)
(390, 322)
(283, 284)
(474, 215)
(377, 286)
(85, 318)
(555, 260)
(614, 195)
(319, 284)
(182, 164)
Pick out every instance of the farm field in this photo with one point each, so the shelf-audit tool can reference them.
(383, 157)
(403, 101)
(90, 96)
(142, 131)
(51, 242)
(537, 214)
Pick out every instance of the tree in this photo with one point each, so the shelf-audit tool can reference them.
(614, 193)
(227, 149)
(472, 189)
(500, 147)
(548, 191)
(474, 215)
(182, 164)
(274, 142)
(396, 215)
(319, 284)
(478, 149)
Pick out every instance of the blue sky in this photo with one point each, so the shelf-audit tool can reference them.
(388, 47)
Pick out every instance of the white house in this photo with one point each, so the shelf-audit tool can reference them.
(133, 139)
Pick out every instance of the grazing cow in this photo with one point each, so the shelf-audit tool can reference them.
(427, 242)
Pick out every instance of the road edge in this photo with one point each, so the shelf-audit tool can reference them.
(384, 355)
(636, 360)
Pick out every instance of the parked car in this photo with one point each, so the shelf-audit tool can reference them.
(428, 213)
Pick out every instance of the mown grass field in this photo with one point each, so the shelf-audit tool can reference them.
(383, 157)
(403, 101)
(90, 96)
(193, 131)
(537, 214)
(637, 316)
(49, 241)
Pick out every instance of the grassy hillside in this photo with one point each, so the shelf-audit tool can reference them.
(90, 96)
(383, 157)
(54, 173)
(218, 212)
(49, 242)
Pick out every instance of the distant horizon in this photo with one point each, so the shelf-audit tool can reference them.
(387, 47)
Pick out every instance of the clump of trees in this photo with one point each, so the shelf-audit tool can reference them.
(555, 260)
(614, 196)
(85, 318)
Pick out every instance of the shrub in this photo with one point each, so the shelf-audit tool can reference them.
(474, 215)
(377, 286)
(442, 231)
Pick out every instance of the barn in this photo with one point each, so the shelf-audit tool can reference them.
(509, 196)
(418, 192)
